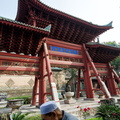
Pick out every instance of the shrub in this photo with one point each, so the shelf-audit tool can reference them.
(19, 115)
(109, 101)
(33, 116)
(108, 112)
(26, 116)
(4, 116)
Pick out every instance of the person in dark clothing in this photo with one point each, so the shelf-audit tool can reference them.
(50, 111)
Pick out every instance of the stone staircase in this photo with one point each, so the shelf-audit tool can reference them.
(72, 108)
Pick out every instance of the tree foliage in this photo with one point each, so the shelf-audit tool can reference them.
(116, 63)
(112, 43)
(73, 75)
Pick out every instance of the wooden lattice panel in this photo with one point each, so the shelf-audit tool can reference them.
(18, 64)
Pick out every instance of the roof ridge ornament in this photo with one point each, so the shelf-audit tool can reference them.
(48, 28)
(109, 24)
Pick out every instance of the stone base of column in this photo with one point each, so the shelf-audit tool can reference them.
(70, 101)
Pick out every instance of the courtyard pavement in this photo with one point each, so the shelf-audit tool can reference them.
(82, 102)
(70, 108)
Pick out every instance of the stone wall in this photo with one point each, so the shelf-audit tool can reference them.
(59, 78)
(17, 85)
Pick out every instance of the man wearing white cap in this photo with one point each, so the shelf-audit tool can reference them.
(50, 111)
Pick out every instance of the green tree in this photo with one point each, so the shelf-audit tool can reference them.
(73, 75)
(112, 43)
(116, 63)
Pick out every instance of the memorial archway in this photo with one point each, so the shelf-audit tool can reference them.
(58, 53)
(62, 40)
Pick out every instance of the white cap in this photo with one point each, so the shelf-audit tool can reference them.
(48, 107)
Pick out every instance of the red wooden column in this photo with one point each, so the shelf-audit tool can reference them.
(101, 83)
(42, 80)
(35, 91)
(78, 85)
(87, 79)
(0, 62)
(88, 82)
(115, 74)
(111, 81)
(48, 67)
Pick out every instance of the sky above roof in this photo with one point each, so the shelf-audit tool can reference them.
(100, 12)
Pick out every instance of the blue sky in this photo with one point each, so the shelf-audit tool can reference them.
(99, 12)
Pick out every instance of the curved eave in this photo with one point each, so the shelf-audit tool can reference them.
(22, 25)
(22, 9)
(20, 38)
(97, 45)
(103, 53)
(64, 27)
(70, 16)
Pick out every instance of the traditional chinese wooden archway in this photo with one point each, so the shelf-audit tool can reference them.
(67, 34)
(77, 56)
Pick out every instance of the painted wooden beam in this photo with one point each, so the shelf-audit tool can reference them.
(59, 43)
(16, 68)
(64, 54)
(66, 63)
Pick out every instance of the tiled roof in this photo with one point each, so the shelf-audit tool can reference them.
(65, 27)
(20, 38)
(20, 23)
(101, 53)
(109, 24)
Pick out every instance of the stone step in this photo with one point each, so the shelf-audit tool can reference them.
(68, 107)
(72, 108)
(5, 110)
(76, 111)
(3, 104)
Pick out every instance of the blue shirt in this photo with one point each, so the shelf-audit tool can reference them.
(67, 116)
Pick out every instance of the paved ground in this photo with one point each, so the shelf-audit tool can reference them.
(67, 107)
(82, 102)
(71, 108)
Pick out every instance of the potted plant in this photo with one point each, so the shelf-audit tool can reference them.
(15, 104)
